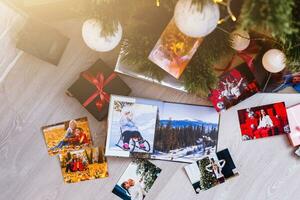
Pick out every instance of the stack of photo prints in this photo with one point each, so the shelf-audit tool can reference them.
(152, 129)
(71, 140)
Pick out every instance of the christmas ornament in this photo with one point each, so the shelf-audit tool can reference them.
(274, 60)
(91, 34)
(194, 21)
(240, 40)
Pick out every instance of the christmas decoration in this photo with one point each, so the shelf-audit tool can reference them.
(94, 86)
(277, 29)
(280, 20)
(240, 40)
(91, 34)
(274, 60)
(196, 20)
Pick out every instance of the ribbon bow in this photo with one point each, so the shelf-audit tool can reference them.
(99, 82)
(245, 56)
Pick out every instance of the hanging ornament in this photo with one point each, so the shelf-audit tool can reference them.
(91, 33)
(274, 60)
(240, 40)
(195, 22)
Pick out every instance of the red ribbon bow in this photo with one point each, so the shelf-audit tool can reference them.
(99, 83)
(245, 56)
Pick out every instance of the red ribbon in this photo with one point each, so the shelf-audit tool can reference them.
(99, 82)
(244, 55)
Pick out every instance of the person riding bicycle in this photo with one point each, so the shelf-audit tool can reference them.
(129, 129)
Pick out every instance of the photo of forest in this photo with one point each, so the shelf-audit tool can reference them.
(182, 137)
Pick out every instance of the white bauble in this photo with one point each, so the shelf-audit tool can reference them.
(91, 34)
(240, 40)
(274, 60)
(193, 22)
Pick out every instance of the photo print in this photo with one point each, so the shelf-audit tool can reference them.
(131, 127)
(137, 180)
(174, 50)
(67, 136)
(263, 121)
(211, 170)
(82, 165)
(185, 132)
(293, 113)
(233, 87)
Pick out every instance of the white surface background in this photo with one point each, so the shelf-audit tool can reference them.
(32, 95)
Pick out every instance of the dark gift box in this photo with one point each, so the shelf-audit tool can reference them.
(94, 86)
(42, 41)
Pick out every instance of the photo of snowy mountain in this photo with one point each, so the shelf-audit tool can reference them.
(185, 136)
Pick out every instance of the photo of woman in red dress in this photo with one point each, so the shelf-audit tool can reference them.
(263, 121)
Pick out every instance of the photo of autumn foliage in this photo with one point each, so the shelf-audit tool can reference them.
(67, 136)
(82, 165)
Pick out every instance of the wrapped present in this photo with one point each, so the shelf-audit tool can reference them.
(42, 41)
(94, 87)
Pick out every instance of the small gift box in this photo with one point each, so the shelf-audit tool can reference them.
(42, 41)
(94, 87)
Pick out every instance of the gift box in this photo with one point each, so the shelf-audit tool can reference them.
(42, 41)
(94, 87)
(294, 120)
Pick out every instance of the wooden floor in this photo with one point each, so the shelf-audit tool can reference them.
(33, 94)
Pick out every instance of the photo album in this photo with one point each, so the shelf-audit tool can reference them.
(137, 180)
(84, 164)
(174, 50)
(67, 136)
(211, 170)
(162, 130)
(233, 87)
(293, 113)
(264, 121)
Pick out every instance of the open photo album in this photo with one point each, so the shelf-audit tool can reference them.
(160, 130)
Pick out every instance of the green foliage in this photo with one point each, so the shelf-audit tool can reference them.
(207, 179)
(200, 76)
(292, 42)
(281, 20)
(274, 16)
(148, 171)
(143, 22)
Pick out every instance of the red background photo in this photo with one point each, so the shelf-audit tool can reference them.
(247, 88)
(252, 127)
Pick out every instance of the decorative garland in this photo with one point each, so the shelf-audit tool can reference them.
(146, 21)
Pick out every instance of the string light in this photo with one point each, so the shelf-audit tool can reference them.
(230, 14)
(157, 3)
